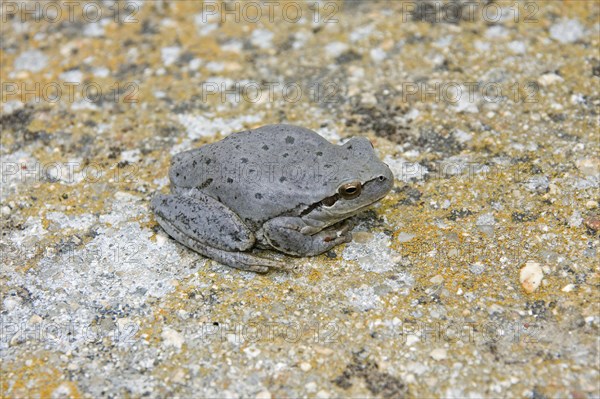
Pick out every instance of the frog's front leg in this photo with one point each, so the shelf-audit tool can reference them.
(210, 228)
(293, 236)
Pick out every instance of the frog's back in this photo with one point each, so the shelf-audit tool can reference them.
(258, 173)
(272, 143)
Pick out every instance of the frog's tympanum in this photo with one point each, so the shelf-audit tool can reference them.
(279, 187)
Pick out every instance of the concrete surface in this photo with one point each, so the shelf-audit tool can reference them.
(476, 277)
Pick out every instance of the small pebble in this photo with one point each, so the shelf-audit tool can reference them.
(591, 204)
(593, 223)
(549, 79)
(588, 166)
(531, 276)
(323, 395)
(405, 237)
(575, 220)
(11, 303)
(477, 268)
(546, 269)
(311, 387)
(567, 31)
(438, 354)
(438, 279)
(368, 99)
(323, 350)
(172, 338)
(568, 288)
(263, 395)
(31, 60)
(411, 340)
(362, 237)
(304, 366)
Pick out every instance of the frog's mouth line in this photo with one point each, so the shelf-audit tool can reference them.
(326, 206)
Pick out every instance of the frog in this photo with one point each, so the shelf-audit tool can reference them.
(277, 187)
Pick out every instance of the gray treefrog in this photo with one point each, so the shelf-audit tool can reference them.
(279, 187)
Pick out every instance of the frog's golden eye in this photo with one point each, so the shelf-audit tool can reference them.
(350, 190)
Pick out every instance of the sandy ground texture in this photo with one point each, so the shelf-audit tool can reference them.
(477, 276)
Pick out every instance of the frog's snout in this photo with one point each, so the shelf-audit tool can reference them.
(386, 179)
(387, 173)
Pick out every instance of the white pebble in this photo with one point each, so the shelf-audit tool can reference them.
(263, 395)
(172, 338)
(335, 49)
(549, 79)
(10, 303)
(304, 366)
(531, 276)
(567, 31)
(568, 288)
(405, 237)
(438, 354)
(576, 219)
(31, 60)
(170, 54)
(311, 387)
(377, 54)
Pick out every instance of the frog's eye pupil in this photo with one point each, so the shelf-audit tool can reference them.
(381, 178)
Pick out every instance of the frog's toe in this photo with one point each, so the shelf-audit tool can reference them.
(347, 237)
(247, 261)
(340, 233)
(345, 228)
(255, 269)
(342, 239)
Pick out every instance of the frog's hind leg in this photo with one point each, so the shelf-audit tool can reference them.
(210, 228)
(239, 260)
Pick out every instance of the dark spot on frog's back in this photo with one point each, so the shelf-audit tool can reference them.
(282, 179)
(244, 160)
(265, 147)
(229, 180)
(319, 153)
(205, 184)
(289, 140)
(258, 196)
